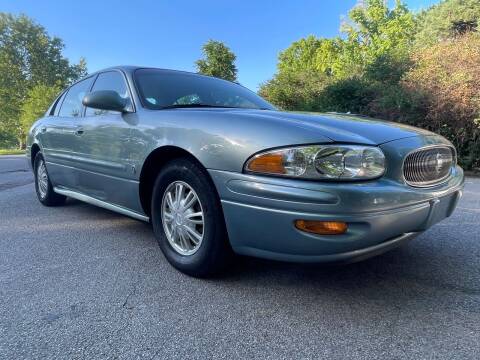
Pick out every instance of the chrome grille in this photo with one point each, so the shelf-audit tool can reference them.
(428, 166)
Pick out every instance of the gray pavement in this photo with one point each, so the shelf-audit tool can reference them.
(79, 282)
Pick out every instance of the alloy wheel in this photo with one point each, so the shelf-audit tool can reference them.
(42, 179)
(182, 218)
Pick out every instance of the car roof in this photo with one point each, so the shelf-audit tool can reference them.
(132, 68)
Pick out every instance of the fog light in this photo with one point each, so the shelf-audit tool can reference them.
(321, 227)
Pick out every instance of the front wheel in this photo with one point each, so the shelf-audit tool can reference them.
(188, 221)
(43, 185)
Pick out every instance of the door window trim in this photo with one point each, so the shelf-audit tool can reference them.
(51, 110)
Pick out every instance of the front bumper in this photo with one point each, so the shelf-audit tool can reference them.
(381, 214)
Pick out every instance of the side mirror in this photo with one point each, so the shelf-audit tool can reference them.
(105, 100)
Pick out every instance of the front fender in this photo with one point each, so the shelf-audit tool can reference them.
(219, 141)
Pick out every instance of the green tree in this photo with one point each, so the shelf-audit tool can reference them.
(445, 20)
(311, 54)
(219, 61)
(28, 57)
(374, 54)
(39, 98)
(376, 32)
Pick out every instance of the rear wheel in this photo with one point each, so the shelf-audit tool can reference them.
(43, 186)
(188, 221)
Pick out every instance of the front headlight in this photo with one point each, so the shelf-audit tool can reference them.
(320, 162)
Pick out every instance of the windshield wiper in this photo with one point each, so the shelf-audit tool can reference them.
(180, 106)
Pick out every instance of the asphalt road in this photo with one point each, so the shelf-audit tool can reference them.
(81, 282)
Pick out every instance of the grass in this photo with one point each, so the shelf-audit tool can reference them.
(11, 152)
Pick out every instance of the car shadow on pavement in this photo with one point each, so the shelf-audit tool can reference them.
(421, 266)
(412, 267)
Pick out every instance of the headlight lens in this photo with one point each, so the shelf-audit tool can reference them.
(320, 162)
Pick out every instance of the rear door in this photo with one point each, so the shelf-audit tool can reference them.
(106, 149)
(48, 122)
(61, 133)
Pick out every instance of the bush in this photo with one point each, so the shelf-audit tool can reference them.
(295, 91)
(314, 91)
(446, 81)
(7, 140)
(346, 95)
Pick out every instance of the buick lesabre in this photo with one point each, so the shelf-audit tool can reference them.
(218, 171)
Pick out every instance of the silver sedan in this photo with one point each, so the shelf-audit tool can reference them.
(217, 170)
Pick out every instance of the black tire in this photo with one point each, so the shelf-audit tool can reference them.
(48, 197)
(214, 251)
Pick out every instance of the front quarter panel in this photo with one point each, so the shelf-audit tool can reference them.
(219, 140)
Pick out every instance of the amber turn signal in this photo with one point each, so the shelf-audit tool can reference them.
(321, 227)
(267, 163)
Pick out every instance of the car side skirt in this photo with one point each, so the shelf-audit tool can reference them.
(100, 203)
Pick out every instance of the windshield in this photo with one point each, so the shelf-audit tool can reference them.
(160, 89)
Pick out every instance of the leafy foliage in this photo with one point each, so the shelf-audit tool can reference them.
(447, 78)
(372, 31)
(28, 57)
(39, 98)
(376, 48)
(375, 31)
(219, 61)
(310, 54)
(295, 90)
(447, 19)
(348, 95)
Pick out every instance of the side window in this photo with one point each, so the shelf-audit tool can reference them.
(110, 80)
(72, 103)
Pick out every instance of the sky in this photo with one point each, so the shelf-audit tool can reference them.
(170, 34)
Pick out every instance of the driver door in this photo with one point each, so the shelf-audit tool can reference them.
(104, 142)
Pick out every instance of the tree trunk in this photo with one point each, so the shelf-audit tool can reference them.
(22, 144)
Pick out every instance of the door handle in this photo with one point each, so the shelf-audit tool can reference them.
(79, 131)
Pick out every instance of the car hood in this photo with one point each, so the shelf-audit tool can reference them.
(338, 127)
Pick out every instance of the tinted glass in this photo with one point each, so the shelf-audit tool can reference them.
(55, 107)
(164, 88)
(72, 104)
(111, 80)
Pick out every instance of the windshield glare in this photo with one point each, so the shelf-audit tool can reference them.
(165, 88)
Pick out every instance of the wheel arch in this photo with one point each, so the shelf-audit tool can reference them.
(153, 164)
(34, 150)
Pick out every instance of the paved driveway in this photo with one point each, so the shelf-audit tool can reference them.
(81, 282)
